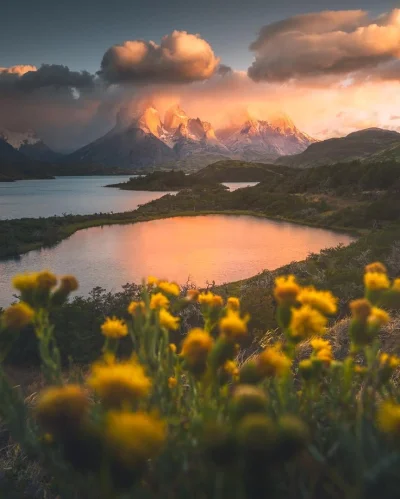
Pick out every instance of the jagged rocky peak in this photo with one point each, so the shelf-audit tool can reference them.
(181, 132)
(174, 117)
(145, 117)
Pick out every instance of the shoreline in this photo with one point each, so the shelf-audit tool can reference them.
(71, 228)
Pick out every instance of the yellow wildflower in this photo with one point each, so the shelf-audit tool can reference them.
(325, 355)
(360, 369)
(114, 328)
(119, 383)
(172, 347)
(232, 326)
(319, 344)
(133, 438)
(323, 301)
(25, 282)
(361, 309)
(378, 317)
(396, 285)
(273, 362)
(172, 382)
(391, 361)
(195, 347)
(68, 283)
(168, 321)
(377, 267)
(210, 299)
(389, 417)
(230, 367)
(152, 281)
(170, 288)
(233, 303)
(17, 316)
(286, 289)
(376, 281)
(61, 408)
(158, 300)
(136, 307)
(46, 280)
(307, 322)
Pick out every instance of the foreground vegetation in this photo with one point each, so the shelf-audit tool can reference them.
(151, 417)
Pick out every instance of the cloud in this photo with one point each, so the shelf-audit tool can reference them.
(180, 58)
(328, 43)
(29, 78)
(394, 117)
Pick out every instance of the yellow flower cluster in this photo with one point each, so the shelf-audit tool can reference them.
(132, 438)
(286, 290)
(323, 301)
(232, 326)
(273, 362)
(210, 299)
(114, 328)
(17, 316)
(170, 288)
(306, 322)
(119, 383)
(195, 348)
(136, 307)
(389, 417)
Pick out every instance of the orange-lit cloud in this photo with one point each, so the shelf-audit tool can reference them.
(325, 43)
(180, 58)
(331, 72)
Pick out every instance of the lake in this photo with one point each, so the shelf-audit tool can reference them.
(72, 195)
(222, 248)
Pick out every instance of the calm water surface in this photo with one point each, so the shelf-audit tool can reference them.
(213, 247)
(73, 195)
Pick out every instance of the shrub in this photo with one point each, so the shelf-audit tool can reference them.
(158, 420)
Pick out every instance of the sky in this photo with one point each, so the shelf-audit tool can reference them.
(342, 69)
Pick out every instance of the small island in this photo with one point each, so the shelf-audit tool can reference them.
(164, 182)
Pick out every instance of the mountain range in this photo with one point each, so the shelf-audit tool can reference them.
(145, 140)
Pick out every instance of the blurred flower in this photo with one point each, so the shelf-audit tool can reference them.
(376, 281)
(286, 290)
(360, 309)
(133, 438)
(378, 317)
(170, 288)
(319, 344)
(25, 282)
(391, 361)
(119, 383)
(17, 316)
(61, 408)
(68, 284)
(388, 417)
(307, 322)
(152, 281)
(158, 300)
(258, 436)
(114, 328)
(230, 367)
(195, 349)
(377, 267)
(136, 307)
(273, 362)
(210, 299)
(232, 326)
(172, 382)
(46, 280)
(248, 399)
(172, 347)
(306, 369)
(323, 301)
(167, 320)
(396, 285)
(233, 303)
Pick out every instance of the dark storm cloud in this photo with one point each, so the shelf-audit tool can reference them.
(180, 58)
(328, 43)
(29, 79)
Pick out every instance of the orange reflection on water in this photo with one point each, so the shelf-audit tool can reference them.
(216, 248)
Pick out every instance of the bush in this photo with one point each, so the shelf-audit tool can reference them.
(147, 420)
